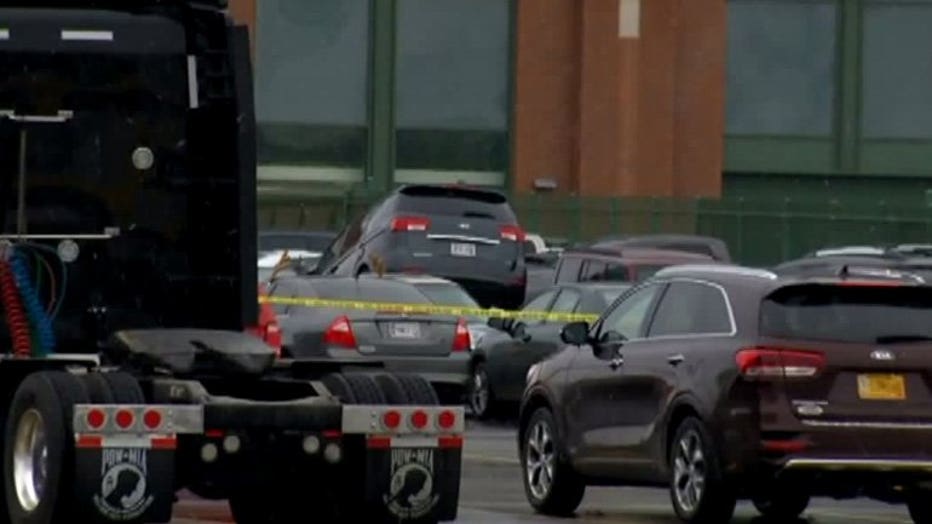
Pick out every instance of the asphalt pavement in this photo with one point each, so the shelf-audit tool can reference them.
(492, 492)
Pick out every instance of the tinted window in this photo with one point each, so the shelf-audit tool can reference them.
(566, 302)
(847, 314)
(447, 294)
(691, 308)
(569, 270)
(540, 303)
(628, 317)
(593, 270)
(610, 295)
(457, 202)
(371, 290)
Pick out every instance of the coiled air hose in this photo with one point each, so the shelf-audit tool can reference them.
(38, 317)
(16, 319)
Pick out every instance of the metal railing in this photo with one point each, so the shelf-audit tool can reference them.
(758, 232)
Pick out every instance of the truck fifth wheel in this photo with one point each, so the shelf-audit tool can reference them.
(130, 369)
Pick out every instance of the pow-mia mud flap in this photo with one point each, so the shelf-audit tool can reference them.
(124, 481)
(413, 485)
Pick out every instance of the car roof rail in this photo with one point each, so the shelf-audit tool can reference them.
(848, 271)
(721, 269)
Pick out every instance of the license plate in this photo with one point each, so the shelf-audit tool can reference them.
(405, 330)
(463, 250)
(882, 387)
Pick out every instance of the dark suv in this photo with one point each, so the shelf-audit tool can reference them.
(470, 236)
(724, 383)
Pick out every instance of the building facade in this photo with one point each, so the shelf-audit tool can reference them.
(678, 98)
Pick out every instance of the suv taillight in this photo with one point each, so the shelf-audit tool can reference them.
(340, 334)
(462, 341)
(513, 233)
(410, 223)
(773, 363)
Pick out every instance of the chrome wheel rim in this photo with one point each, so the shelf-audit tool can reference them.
(480, 392)
(689, 472)
(539, 460)
(30, 460)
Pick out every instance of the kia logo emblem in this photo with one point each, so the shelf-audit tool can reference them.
(882, 354)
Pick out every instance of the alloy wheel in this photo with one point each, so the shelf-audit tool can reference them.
(540, 460)
(689, 472)
(30, 460)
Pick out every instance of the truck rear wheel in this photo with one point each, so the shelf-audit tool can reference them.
(394, 394)
(419, 390)
(38, 455)
(98, 389)
(125, 388)
(366, 389)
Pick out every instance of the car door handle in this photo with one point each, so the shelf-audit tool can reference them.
(675, 360)
(617, 362)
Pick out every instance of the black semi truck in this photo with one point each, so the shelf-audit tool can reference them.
(128, 289)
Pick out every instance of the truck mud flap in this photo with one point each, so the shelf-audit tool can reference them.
(413, 481)
(125, 460)
(410, 475)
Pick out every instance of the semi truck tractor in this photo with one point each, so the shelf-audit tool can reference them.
(130, 366)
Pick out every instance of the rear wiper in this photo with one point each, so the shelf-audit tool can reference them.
(892, 339)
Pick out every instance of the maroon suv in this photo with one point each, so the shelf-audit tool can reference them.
(724, 383)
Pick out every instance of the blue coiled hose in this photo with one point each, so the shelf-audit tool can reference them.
(38, 317)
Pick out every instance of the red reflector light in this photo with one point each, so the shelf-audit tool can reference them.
(513, 233)
(152, 419)
(769, 363)
(410, 223)
(450, 442)
(446, 420)
(462, 341)
(124, 418)
(419, 420)
(340, 334)
(213, 433)
(379, 442)
(391, 420)
(164, 443)
(96, 418)
(89, 442)
(784, 446)
(332, 433)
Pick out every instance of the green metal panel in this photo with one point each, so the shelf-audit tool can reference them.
(382, 92)
(896, 157)
(849, 103)
(779, 155)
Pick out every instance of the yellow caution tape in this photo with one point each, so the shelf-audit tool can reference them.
(426, 309)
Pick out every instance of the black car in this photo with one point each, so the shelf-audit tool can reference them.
(833, 261)
(467, 235)
(501, 362)
(436, 347)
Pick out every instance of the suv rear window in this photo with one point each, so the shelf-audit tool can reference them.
(371, 291)
(453, 201)
(858, 314)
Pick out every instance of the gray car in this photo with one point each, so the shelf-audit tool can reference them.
(436, 347)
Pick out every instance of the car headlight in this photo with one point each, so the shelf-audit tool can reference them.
(532, 373)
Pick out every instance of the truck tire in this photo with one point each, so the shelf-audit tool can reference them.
(365, 389)
(98, 389)
(125, 388)
(339, 387)
(43, 402)
(418, 390)
(394, 394)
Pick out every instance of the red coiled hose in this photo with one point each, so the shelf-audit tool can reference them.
(15, 316)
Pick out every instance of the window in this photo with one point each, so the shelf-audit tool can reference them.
(866, 315)
(312, 85)
(628, 318)
(691, 308)
(541, 302)
(593, 270)
(896, 71)
(569, 270)
(452, 92)
(781, 67)
(566, 302)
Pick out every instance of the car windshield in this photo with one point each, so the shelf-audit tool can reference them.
(610, 295)
(857, 314)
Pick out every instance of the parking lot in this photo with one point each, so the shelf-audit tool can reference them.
(492, 493)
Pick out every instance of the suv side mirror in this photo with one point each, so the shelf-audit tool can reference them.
(575, 333)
